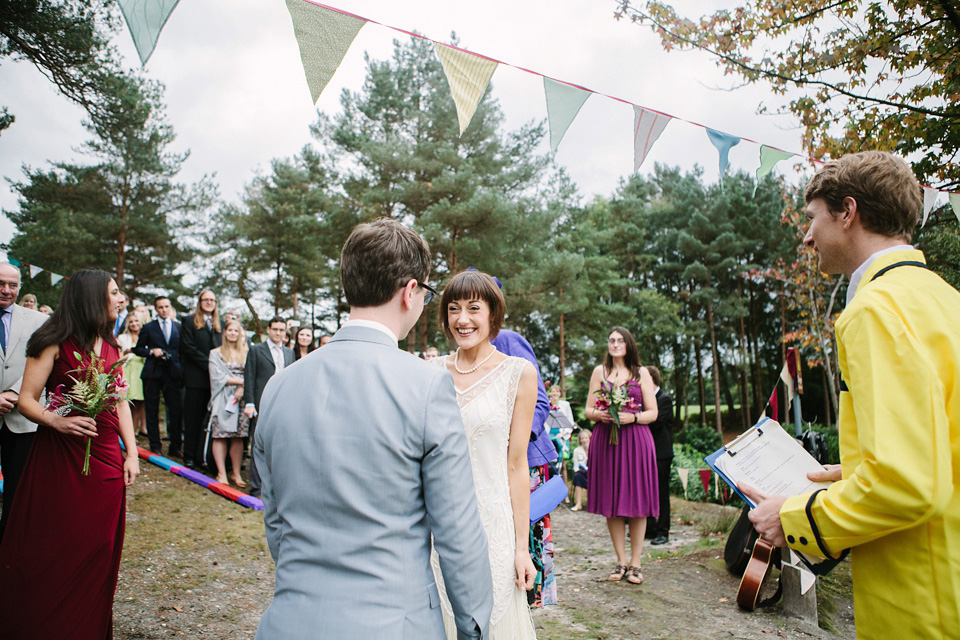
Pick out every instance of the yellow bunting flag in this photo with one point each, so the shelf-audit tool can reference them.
(324, 36)
(468, 76)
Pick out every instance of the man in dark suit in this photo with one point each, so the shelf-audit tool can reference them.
(263, 360)
(159, 343)
(200, 332)
(662, 430)
(17, 324)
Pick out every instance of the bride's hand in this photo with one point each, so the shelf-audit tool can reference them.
(526, 572)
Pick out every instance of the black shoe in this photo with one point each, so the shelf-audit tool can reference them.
(660, 539)
(174, 453)
(167, 438)
(156, 450)
(189, 463)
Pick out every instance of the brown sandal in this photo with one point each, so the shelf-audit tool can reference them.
(617, 574)
(634, 576)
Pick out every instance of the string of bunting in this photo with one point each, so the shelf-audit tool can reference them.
(324, 35)
(35, 271)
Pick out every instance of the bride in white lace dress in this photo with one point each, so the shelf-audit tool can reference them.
(497, 395)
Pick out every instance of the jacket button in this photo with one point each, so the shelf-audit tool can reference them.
(803, 540)
(790, 539)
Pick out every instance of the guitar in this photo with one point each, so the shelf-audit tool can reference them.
(758, 568)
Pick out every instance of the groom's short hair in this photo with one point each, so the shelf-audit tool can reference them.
(380, 257)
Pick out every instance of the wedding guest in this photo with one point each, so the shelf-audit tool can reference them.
(60, 556)
(430, 353)
(122, 316)
(228, 424)
(560, 436)
(159, 343)
(200, 331)
(132, 369)
(622, 476)
(45, 309)
(324, 340)
(662, 430)
(29, 301)
(580, 469)
(497, 419)
(16, 432)
(303, 344)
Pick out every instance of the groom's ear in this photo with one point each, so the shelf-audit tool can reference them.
(408, 294)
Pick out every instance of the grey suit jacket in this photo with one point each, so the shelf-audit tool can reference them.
(363, 455)
(258, 370)
(23, 322)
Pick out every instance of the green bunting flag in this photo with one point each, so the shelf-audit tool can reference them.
(324, 36)
(563, 105)
(769, 157)
(145, 20)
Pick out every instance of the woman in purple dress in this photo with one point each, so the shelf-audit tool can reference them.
(622, 465)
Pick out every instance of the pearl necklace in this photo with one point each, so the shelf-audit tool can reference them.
(456, 359)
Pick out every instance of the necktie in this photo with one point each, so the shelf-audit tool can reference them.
(166, 330)
(3, 332)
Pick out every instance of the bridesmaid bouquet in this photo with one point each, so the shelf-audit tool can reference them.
(612, 398)
(94, 391)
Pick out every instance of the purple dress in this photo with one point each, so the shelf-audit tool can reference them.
(622, 478)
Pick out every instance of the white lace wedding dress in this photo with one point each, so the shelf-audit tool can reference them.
(487, 410)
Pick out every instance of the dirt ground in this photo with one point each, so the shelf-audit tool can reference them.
(196, 566)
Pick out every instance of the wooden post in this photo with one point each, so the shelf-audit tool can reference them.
(803, 606)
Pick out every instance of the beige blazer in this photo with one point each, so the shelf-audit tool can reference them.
(23, 322)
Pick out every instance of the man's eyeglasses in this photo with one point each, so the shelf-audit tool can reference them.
(430, 293)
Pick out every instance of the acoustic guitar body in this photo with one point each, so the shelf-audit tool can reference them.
(761, 561)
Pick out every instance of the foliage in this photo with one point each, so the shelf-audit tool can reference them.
(703, 440)
(872, 75)
(123, 214)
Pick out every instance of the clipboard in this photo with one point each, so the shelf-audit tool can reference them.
(767, 458)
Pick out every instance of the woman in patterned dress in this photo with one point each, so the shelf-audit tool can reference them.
(228, 423)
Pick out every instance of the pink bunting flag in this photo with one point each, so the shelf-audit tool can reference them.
(647, 127)
(705, 479)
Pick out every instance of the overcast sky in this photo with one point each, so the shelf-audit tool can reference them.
(236, 94)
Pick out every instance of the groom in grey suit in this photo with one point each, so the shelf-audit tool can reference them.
(362, 456)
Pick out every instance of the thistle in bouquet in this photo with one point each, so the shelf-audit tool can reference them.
(95, 389)
(614, 399)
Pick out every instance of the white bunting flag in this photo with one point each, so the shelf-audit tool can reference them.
(647, 127)
(55, 278)
(35, 271)
(324, 36)
(468, 76)
(563, 104)
(684, 478)
(955, 203)
(929, 201)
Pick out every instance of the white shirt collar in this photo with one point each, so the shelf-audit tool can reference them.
(857, 275)
(373, 324)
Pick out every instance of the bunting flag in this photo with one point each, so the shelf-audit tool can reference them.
(145, 20)
(14, 262)
(55, 278)
(35, 271)
(955, 203)
(323, 36)
(929, 200)
(468, 76)
(563, 105)
(647, 127)
(774, 403)
(705, 479)
(723, 142)
(684, 478)
(769, 157)
(807, 578)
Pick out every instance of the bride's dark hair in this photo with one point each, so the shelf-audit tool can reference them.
(82, 314)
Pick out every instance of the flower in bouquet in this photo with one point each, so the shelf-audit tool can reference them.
(95, 389)
(613, 398)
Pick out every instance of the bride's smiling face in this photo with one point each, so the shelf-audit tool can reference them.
(469, 320)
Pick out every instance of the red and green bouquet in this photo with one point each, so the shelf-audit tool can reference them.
(614, 399)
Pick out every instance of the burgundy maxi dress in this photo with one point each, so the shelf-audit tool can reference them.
(61, 551)
(622, 478)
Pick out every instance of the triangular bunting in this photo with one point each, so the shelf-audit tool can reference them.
(563, 105)
(955, 203)
(647, 127)
(705, 479)
(723, 142)
(34, 271)
(15, 263)
(55, 278)
(769, 157)
(145, 20)
(929, 200)
(324, 36)
(684, 478)
(468, 76)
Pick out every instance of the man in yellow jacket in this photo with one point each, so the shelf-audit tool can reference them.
(895, 502)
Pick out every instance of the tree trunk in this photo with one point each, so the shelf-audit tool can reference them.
(700, 386)
(563, 359)
(718, 422)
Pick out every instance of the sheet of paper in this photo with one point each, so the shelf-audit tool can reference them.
(774, 462)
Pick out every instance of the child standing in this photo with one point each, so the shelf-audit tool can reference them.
(580, 469)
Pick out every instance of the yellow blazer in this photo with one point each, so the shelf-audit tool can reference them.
(898, 506)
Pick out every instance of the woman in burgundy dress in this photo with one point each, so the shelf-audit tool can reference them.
(622, 477)
(61, 552)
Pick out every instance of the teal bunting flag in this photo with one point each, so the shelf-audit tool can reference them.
(563, 104)
(145, 20)
(723, 142)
